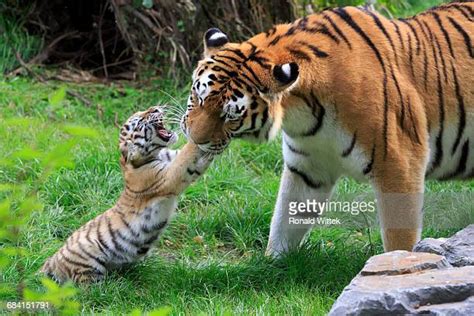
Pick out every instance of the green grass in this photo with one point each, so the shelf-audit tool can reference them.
(230, 208)
(13, 37)
(416, 6)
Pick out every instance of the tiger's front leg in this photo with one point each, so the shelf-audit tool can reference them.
(295, 187)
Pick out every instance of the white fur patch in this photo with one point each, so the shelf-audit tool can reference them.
(450, 162)
(216, 36)
(204, 89)
(237, 108)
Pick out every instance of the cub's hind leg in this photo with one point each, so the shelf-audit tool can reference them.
(89, 276)
(399, 187)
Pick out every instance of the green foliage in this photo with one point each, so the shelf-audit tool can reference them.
(57, 96)
(397, 8)
(416, 6)
(61, 297)
(163, 311)
(147, 4)
(13, 35)
(20, 199)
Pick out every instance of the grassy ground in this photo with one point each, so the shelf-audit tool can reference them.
(211, 258)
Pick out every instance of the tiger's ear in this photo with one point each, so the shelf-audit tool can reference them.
(285, 75)
(214, 39)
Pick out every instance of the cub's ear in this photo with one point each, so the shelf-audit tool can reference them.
(285, 74)
(213, 40)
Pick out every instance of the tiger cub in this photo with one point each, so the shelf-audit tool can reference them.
(154, 177)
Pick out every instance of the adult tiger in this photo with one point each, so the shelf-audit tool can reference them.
(356, 94)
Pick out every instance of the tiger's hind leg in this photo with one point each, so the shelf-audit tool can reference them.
(399, 192)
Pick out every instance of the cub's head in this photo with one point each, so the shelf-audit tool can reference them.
(143, 136)
(235, 92)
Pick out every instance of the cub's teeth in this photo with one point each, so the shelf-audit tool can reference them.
(164, 133)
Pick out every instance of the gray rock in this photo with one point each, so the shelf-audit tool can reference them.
(431, 245)
(458, 250)
(403, 262)
(437, 279)
(465, 307)
(434, 291)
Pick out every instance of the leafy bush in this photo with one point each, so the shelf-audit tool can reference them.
(20, 198)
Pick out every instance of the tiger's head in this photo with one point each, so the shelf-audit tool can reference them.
(235, 93)
(142, 137)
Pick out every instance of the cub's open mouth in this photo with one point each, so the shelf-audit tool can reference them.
(165, 134)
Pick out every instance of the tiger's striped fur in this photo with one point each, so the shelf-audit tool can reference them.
(355, 94)
(154, 176)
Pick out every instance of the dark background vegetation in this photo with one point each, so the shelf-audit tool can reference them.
(120, 39)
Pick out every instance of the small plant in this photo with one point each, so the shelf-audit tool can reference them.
(19, 199)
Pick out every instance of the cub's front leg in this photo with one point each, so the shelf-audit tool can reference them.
(185, 167)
